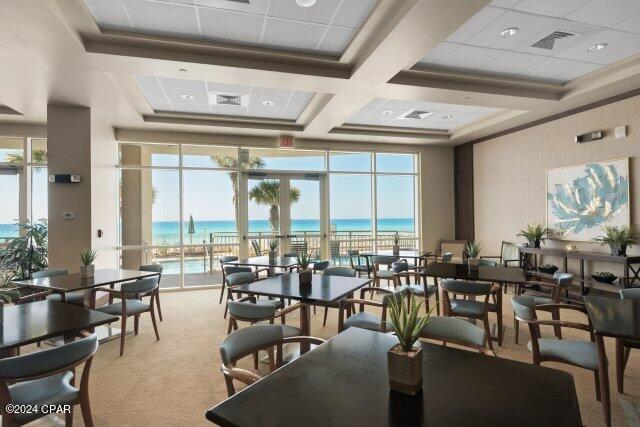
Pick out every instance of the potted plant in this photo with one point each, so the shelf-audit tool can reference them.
(87, 256)
(473, 251)
(534, 233)
(304, 273)
(273, 246)
(604, 277)
(396, 244)
(619, 239)
(404, 361)
(26, 253)
(8, 294)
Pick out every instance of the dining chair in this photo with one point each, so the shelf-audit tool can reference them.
(356, 265)
(508, 255)
(251, 340)
(378, 274)
(256, 247)
(237, 276)
(421, 288)
(230, 269)
(75, 298)
(223, 260)
(624, 346)
(130, 304)
(340, 272)
(156, 268)
(365, 320)
(47, 378)
(560, 284)
(320, 266)
(468, 307)
(456, 331)
(583, 354)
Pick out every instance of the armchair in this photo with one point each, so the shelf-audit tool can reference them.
(365, 320)
(456, 331)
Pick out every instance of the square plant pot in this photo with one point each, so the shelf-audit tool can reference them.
(405, 370)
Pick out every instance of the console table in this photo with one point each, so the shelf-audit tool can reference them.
(528, 258)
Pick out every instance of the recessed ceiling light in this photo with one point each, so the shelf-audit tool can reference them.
(187, 97)
(447, 116)
(183, 70)
(306, 3)
(596, 47)
(267, 103)
(387, 113)
(508, 32)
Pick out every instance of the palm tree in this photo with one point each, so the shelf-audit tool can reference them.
(37, 156)
(268, 193)
(192, 228)
(230, 162)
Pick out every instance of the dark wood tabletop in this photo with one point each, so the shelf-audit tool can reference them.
(486, 274)
(323, 288)
(73, 282)
(613, 317)
(402, 254)
(28, 323)
(264, 261)
(344, 382)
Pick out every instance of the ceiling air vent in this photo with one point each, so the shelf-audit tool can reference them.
(416, 114)
(240, 1)
(228, 99)
(548, 41)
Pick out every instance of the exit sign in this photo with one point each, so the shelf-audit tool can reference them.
(286, 142)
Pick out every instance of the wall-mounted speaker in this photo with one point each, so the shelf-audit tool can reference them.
(64, 178)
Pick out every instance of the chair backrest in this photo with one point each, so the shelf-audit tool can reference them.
(334, 249)
(41, 363)
(353, 252)
(256, 247)
(156, 268)
(141, 285)
(240, 278)
(227, 258)
(230, 269)
(447, 257)
(383, 260)
(249, 310)
(397, 296)
(339, 271)
(523, 306)
(400, 266)
(509, 252)
(248, 340)
(290, 254)
(299, 247)
(466, 287)
(50, 272)
(487, 262)
(630, 293)
(563, 280)
(456, 247)
(454, 330)
(320, 265)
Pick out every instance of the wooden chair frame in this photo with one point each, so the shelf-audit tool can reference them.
(230, 290)
(353, 265)
(555, 296)
(437, 255)
(8, 419)
(348, 305)
(484, 349)
(623, 351)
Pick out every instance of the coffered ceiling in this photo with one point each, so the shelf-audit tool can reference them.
(395, 71)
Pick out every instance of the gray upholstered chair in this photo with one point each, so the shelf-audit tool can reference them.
(470, 308)
(446, 257)
(250, 340)
(237, 276)
(624, 346)
(320, 266)
(365, 320)
(335, 271)
(508, 255)
(156, 268)
(256, 247)
(456, 331)
(130, 304)
(379, 274)
(75, 298)
(560, 284)
(355, 262)
(583, 354)
(47, 378)
(223, 260)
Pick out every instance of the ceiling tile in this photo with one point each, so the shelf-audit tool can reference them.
(294, 108)
(146, 81)
(258, 7)
(480, 20)
(230, 26)
(618, 55)
(319, 13)
(302, 95)
(550, 7)
(631, 24)
(229, 110)
(294, 35)
(614, 39)
(550, 68)
(256, 105)
(181, 83)
(352, 13)
(178, 1)
(606, 13)
(175, 96)
(111, 12)
(162, 18)
(189, 107)
(512, 63)
(153, 94)
(579, 32)
(439, 54)
(503, 3)
(229, 89)
(574, 73)
(160, 106)
(271, 92)
(336, 39)
(526, 23)
(470, 57)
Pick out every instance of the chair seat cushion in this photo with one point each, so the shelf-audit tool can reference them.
(53, 390)
(361, 268)
(363, 320)
(465, 307)
(385, 274)
(75, 298)
(134, 306)
(542, 300)
(419, 289)
(581, 353)
(290, 331)
(274, 302)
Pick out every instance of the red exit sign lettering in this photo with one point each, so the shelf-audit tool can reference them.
(286, 142)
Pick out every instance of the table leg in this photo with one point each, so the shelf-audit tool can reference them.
(620, 364)
(306, 327)
(603, 375)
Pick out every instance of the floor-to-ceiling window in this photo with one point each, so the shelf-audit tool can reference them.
(186, 205)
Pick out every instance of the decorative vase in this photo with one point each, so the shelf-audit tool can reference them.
(536, 243)
(87, 271)
(473, 264)
(405, 370)
(305, 277)
(396, 249)
(619, 250)
(273, 254)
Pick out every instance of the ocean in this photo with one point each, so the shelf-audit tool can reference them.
(173, 227)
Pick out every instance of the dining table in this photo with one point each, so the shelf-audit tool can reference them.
(31, 322)
(345, 382)
(498, 274)
(415, 255)
(615, 318)
(266, 262)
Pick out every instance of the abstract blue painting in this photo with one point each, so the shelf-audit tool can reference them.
(582, 199)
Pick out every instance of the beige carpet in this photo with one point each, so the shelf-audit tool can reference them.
(175, 380)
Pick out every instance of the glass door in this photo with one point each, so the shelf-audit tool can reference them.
(285, 207)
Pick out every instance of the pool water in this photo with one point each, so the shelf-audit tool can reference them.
(190, 266)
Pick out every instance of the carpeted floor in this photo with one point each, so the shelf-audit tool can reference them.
(175, 380)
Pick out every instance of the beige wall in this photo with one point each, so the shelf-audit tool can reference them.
(510, 171)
